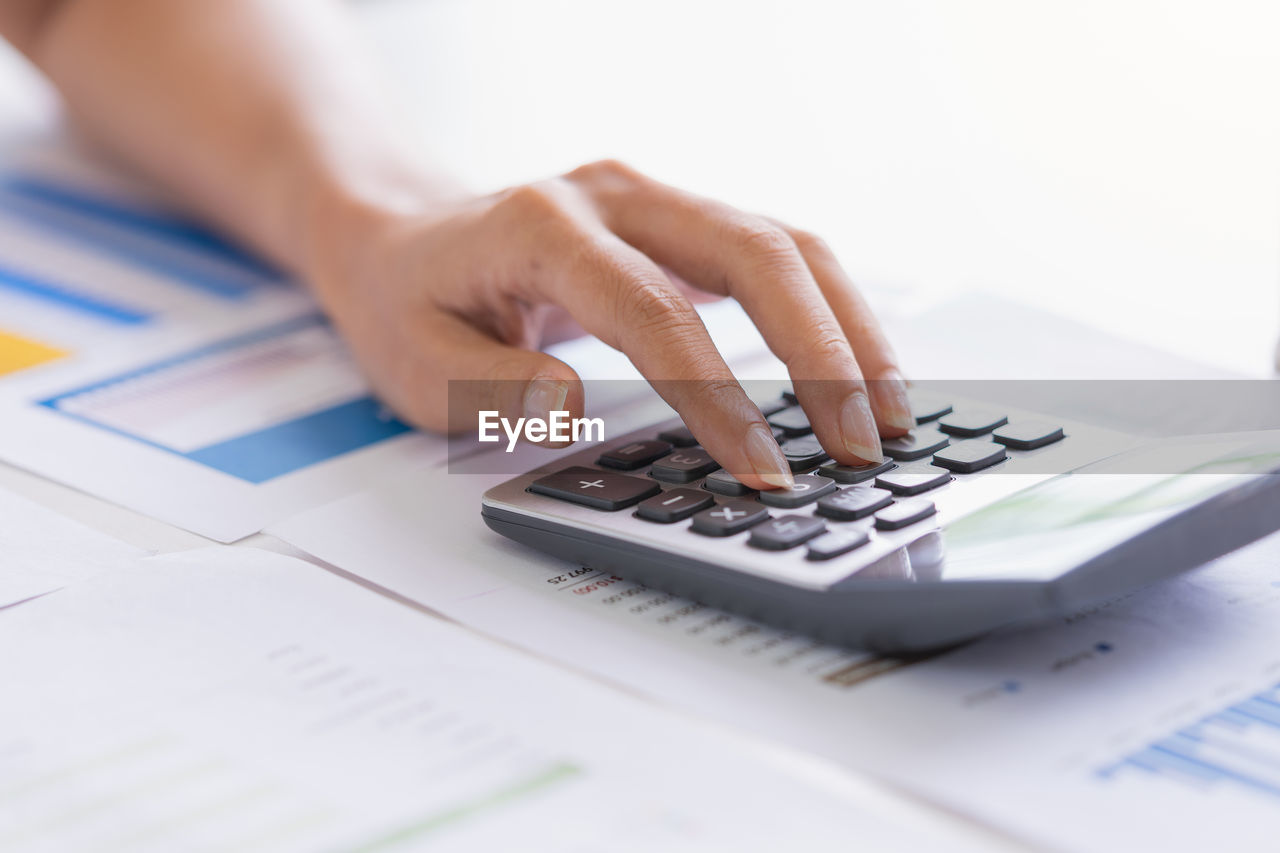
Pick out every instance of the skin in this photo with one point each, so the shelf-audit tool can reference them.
(286, 144)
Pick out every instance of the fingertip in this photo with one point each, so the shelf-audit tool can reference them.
(544, 395)
(767, 464)
(891, 403)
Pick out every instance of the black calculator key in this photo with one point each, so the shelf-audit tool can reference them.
(927, 407)
(790, 397)
(855, 473)
(774, 406)
(1028, 435)
(807, 489)
(913, 479)
(966, 457)
(679, 436)
(971, 422)
(786, 531)
(792, 421)
(904, 514)
(674, 505)
(803, 453)
(729, 518)
(594, 488)
(635, 454)
(916, 444)
(836, 542)
(855, 503)
(684, 466)
(723, 483)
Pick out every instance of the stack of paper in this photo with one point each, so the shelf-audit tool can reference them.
(231, 699)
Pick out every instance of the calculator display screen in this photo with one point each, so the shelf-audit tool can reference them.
(1048, 529)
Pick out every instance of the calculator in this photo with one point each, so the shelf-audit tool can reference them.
(981, 517)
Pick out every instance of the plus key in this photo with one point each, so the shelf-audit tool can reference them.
(594, 488)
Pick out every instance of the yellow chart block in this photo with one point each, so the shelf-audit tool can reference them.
(19, 353)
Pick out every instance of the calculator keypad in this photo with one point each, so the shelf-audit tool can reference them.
(834, 508)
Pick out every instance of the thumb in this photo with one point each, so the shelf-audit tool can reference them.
(471, 372)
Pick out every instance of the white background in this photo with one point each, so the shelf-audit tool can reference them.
(1116, 161)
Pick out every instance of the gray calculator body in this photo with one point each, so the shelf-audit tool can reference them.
(1043, 533)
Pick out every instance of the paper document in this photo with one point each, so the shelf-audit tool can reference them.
(41, 551)
(1021, 731)
(232, 699)
(145, 360)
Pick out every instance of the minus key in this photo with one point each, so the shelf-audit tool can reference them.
(674, 505)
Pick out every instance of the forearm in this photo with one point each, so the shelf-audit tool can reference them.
(259, 114)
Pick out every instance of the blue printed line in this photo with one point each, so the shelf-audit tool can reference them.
(174, 249)
(65, 297)
(1166, 757)
(166, 227)
(1215, 769)
(1260, 713)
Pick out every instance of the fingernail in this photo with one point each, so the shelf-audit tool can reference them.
(544, 396)
(892, 401)
(858, 428)
(766, 458)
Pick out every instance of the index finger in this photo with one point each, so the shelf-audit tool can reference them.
(726, 251)
(624, 299)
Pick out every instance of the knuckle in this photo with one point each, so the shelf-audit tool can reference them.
(648, 303)
(652, 309)
(828, 344)
(718, 392)
(761, 241)
(539, 201)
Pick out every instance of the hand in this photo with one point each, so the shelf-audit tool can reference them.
(465, 289)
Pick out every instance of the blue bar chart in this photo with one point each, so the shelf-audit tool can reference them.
(1238, 746)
